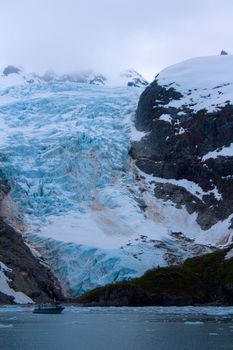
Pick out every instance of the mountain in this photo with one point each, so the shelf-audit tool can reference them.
(85, 77)
(13, 75)
(64, 152)
(132, 78)
(186, 154)
(103, 194)
(16, 76)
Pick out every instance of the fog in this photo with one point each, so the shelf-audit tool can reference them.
(111, 35)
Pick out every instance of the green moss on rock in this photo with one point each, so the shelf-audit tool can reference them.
(201, 280)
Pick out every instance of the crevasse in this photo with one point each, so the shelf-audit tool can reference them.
(64, 149)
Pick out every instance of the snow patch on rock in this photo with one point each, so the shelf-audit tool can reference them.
(204, 82)
(222, 152)
(19, 297)
(166, 118)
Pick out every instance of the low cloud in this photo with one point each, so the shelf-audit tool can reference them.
(110, 35)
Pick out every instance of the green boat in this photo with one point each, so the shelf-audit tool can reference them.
(48, 309)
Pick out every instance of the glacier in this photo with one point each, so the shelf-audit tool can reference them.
(76, 198)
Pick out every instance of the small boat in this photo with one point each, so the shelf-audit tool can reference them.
(48, 309)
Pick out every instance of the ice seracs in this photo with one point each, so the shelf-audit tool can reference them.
(95, 214)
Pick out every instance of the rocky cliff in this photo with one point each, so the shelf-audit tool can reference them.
(23, 276)
(186, 115)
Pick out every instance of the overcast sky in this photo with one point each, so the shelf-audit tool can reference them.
(106, 35)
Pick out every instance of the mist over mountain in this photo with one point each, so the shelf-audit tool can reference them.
(128, 77)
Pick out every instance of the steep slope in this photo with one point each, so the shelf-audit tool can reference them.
(201, 280)
(24, 278)
(186, 152)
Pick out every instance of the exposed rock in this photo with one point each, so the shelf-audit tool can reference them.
(29, 274)
(11, 70)
(175, 146)
(6, 299)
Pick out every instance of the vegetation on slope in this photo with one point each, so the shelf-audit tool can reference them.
(201, 280)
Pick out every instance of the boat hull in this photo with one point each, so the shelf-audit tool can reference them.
(47, 311)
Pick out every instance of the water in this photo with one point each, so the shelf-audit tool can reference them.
(117, 329)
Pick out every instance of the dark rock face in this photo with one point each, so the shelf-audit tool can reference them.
(29, 275)
(174, 150)
(11, 70)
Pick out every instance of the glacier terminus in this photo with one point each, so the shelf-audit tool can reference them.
(76, 194)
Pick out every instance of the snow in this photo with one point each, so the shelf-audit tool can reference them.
(81, 268)
(223, 152)
(204, 82)
(64, 149)
(229, 255)
(178, 220)
(181, 131)
(124, 78)
(19, 297)
(65, 153)
(137, 135)
(166, 118)
(190, 186)
(219, 235)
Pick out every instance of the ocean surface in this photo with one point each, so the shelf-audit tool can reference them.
(171, 328)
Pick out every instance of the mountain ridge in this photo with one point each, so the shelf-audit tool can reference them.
(128, 77)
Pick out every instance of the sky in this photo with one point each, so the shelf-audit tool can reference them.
(111, 35)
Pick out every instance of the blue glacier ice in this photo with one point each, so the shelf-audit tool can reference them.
(64, 150)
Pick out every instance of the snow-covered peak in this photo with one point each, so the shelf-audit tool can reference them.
(126, 78)
(13, 76)
(204, 82)
(85, 77)
(201, 72)
(133, 78)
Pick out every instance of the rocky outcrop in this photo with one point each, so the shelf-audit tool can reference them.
(189, 135)
(202, 280)
(133, 78)
(26, 274)
(11, 70)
